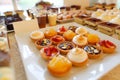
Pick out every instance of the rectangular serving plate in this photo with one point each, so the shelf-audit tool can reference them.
(36, 67)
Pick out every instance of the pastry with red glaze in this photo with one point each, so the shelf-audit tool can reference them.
(59, 66)
(61, 30)
(57, 39)
(107, 46)
(42, 43)
(49, 52)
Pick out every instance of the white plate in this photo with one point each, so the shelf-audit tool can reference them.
(36, 69)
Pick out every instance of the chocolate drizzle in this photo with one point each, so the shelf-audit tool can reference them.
(66, 46)
(92, 50)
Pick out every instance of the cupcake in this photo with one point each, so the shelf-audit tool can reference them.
(36, 35)
(68, 35)
(107, 46)
(80, 40)
(64, 47)
(78, 57)
(81, 31)
(57, 39)
(50, 33)
(93, 38)
(59, 66)
(61, 30)
(42, 43)
(49, 52)
(93, 52)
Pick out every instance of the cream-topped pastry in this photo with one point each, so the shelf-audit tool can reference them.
(81, 31)
(80, 40)
(77, 56)
(36, 35)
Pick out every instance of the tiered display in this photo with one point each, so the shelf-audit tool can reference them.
(64, 48)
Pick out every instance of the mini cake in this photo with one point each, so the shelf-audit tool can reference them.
(80, 40)
(81, 31)
(61, 30)
(42, 43)
(50, 33)
(59, 66)
(4, 58)
(68, 35)
(78, 57)
(92, 22)
(64, 47)
(107, 28)
(49, 52)
(36, 35)
(107, 46)
(81, 18)
(57, 39)
(117, 32)
(73, 28)
(93, 38)
(94, 52)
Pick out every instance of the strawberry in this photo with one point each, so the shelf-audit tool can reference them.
(47, 51)
(62, 29)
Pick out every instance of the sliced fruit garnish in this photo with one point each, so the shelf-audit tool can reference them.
(107, 43)
(50, 50)
(63, 29)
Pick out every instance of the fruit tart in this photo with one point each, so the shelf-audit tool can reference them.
(59, 66)
(61, 30)
(93, 52)
(68, 35)
(80, 41)
(78, 57)
(36, 35)
(49, 52)
(81, 31)
(42, 43)
(107, 46)
(93, 38)
(64, 47)
(57, 39)
(50, 33)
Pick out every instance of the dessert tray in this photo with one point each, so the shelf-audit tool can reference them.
(36, 68)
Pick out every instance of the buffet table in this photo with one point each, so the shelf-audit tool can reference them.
(20, 74)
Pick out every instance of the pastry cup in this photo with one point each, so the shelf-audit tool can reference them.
(93, 55)
(38, 46)
(65, 51)
(56, 42)
(61, 70)
(45, 57)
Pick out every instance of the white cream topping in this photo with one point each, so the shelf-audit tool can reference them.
(81, 31)
(80, 40)
(37, 35)
(77, 55)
